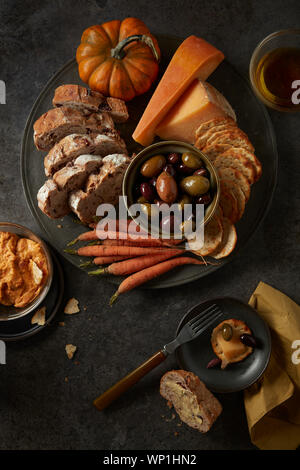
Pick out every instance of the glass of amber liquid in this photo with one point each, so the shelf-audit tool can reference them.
(275, 70)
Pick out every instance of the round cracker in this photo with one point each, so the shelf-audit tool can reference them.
(205, 126)
(237, 177)
(229, 185)
(233, 130)
(228, 204)
(203, 139)
(250, 156)
(214, 150)
(238, 162)
(236, 138)
(229, 240)
(213, 234)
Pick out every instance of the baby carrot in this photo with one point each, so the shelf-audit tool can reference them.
(125, 225)
(142, 239)
(108, 259)
(143, 242)
(130, 251)
(133, 265)
(145, 275)
(109, 235)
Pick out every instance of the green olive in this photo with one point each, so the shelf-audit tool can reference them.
(185, 199)
(195, 185)
(191, 160)
(153, 166)
(227, 332)
(147, 208)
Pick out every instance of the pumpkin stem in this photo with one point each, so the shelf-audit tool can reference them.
(119, 53)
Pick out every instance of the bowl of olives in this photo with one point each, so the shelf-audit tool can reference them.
(171, 172)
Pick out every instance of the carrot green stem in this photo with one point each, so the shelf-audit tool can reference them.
(73, 242)
(114, 298)
(85, 265)
(96, 242)
(96, 272)
(71, 252)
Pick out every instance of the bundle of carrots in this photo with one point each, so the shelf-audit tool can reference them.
(138, 255)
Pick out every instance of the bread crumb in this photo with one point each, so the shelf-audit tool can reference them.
(85, 307)
(59, 226)
(179, 424)
(169, 404)
(176, 434)
(61, 323)
(66, 379)
(167, 420)
(39, 317)
(70, 350)
(71, 307)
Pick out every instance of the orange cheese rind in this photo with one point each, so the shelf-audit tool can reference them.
(194, 58)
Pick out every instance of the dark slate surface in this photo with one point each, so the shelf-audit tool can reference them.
(39, 409)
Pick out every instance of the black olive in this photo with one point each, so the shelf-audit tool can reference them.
(213, 363)
(248, 340)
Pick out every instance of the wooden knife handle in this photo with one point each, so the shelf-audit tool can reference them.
(124, 384)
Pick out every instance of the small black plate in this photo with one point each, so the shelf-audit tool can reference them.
(195, 355)
(21, 328)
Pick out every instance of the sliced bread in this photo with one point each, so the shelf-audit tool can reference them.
(56, 123)
(102, 187)
(89, 101)
(74, 175)
(71, 146)
(194, 403)
(52, 201)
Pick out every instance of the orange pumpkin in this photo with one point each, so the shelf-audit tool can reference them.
(118, 58)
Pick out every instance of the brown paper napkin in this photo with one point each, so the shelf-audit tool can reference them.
(273, 404)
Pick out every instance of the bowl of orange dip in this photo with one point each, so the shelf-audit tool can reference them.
(26, 271)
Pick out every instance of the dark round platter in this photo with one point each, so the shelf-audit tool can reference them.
(252, 118)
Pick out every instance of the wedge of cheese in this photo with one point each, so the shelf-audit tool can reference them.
(201, 102)
(194, 58)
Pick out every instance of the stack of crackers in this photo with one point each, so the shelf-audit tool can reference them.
(232, 155)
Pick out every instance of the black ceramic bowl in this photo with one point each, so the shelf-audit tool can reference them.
(195, 355)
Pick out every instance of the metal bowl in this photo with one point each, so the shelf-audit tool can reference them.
(10, 312)
(163, 148)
